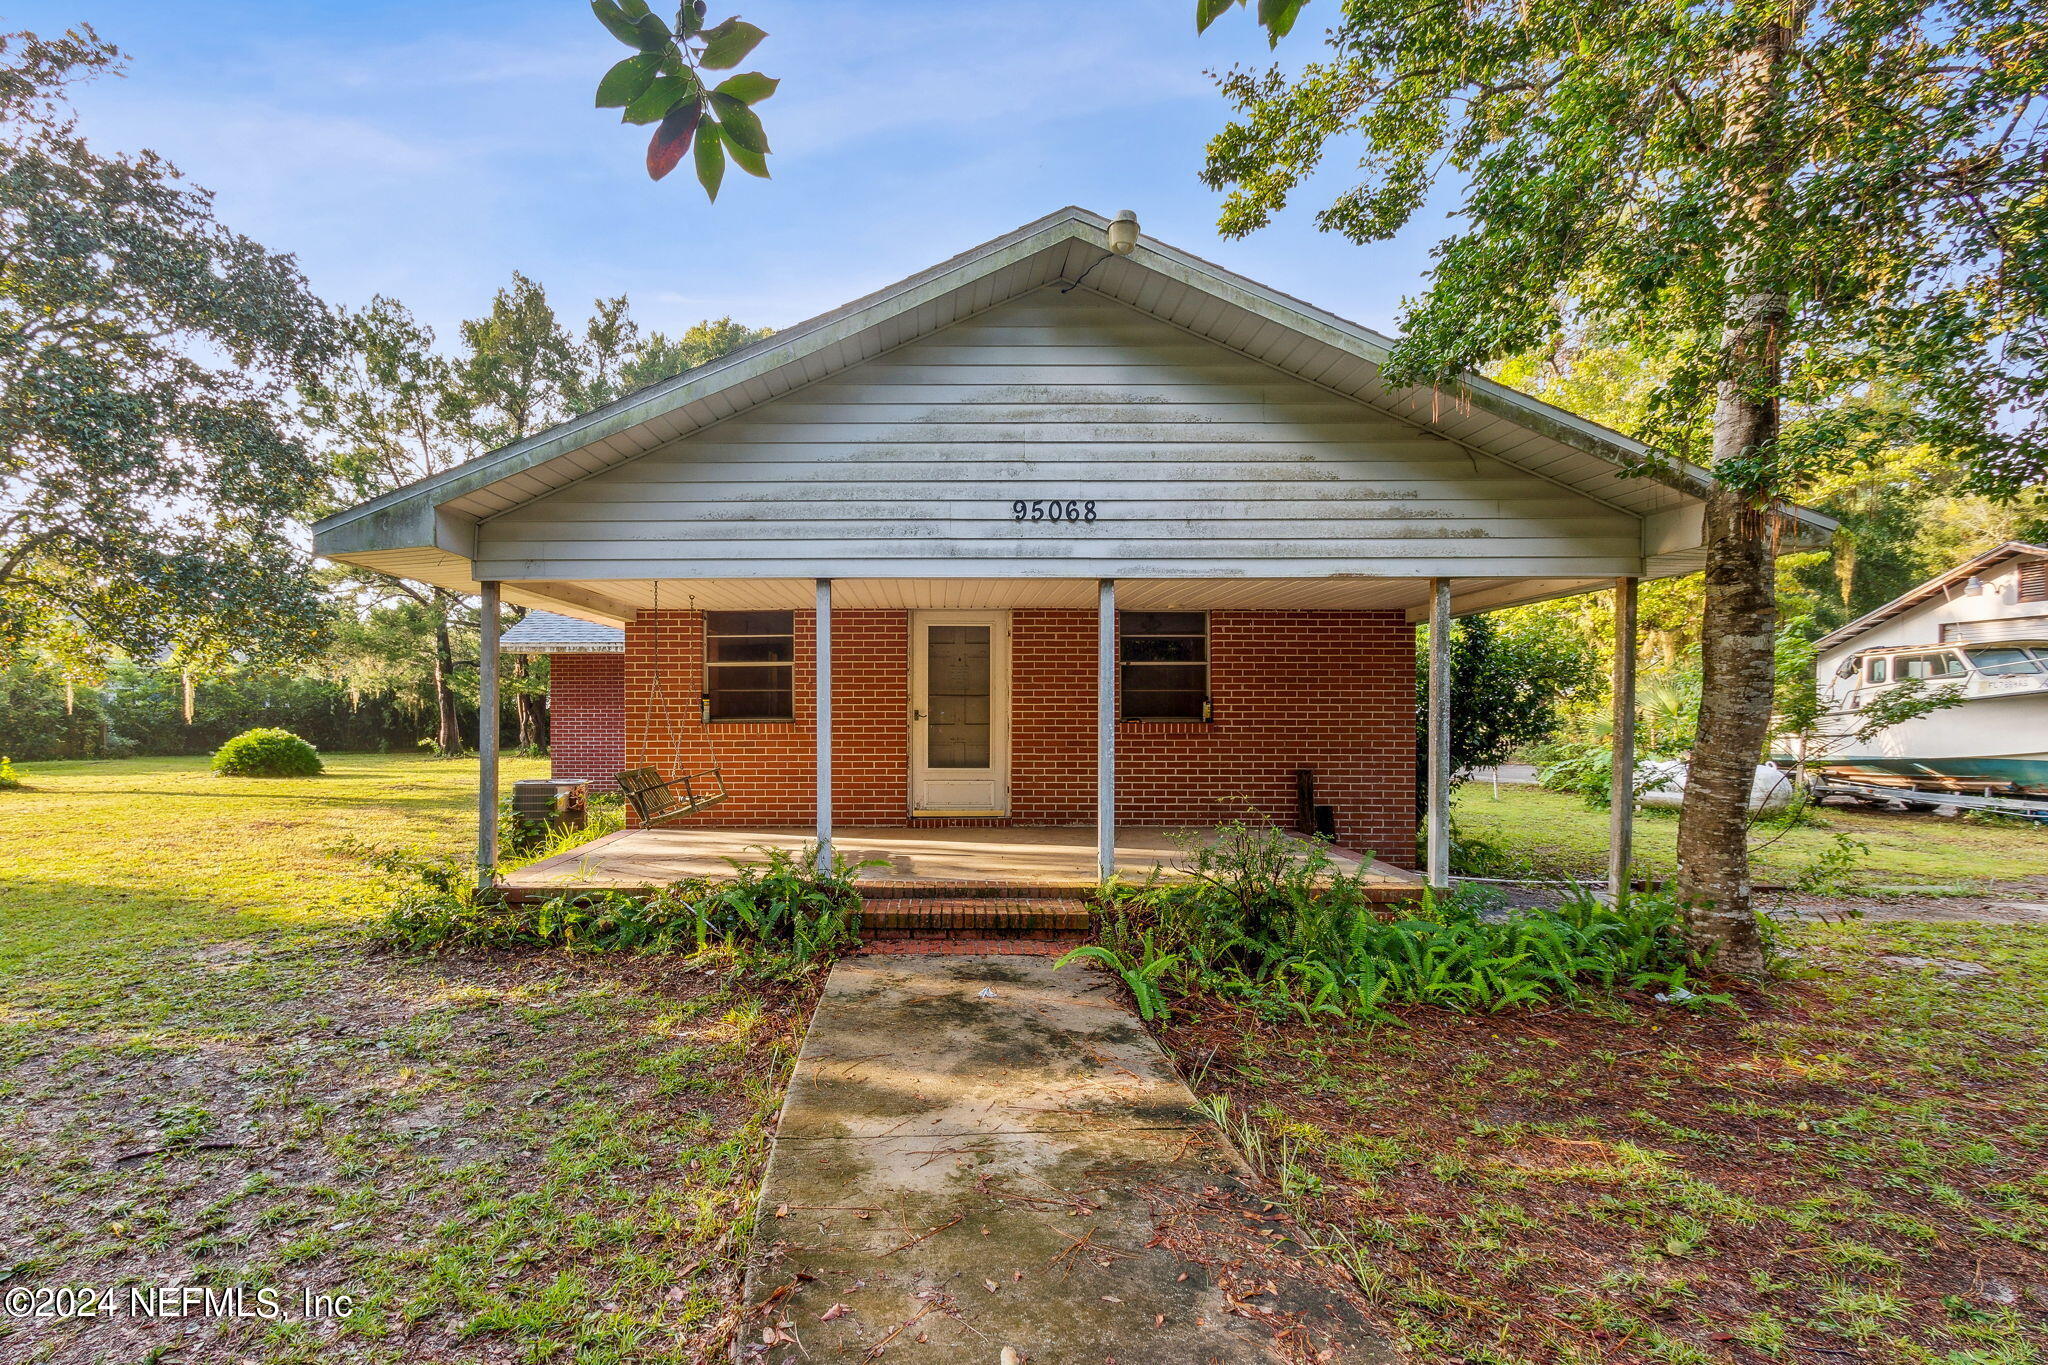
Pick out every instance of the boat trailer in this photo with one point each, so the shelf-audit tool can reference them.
(1820, 785)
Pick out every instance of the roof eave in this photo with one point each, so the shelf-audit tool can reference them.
(409, 515)
(785, 347)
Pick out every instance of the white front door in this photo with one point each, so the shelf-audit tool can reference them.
(960, 713)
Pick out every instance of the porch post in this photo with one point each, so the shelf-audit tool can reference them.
(1105, 728)
(824, 656)
(1438, 822)
(1621, 777)
(487, 740)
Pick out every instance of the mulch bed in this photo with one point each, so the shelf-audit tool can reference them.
(1561, 1186)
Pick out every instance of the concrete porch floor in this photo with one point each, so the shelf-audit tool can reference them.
(1036, 856)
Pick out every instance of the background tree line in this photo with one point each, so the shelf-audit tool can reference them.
(176, 404)
(385, 663)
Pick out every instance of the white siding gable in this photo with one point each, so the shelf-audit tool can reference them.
(1200, 462)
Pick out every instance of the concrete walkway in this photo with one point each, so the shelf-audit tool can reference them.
(979, 1153)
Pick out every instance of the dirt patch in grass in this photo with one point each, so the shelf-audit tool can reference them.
(2017, 902)
(1849, 1169)
(493, 1157)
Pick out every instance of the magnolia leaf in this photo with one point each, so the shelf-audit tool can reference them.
(614, 19)
(625, 82)
(1278, 18)
(710, 158)
(690, 17)
(672, 138)
(753, 163)
(1208, 12)
(636, 10)
(660, 96)
(749, 87)
(742, 125)
(728, 44)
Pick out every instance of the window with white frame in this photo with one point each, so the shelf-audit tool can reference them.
(1926, 667)
(1164, 664)
(749, 665)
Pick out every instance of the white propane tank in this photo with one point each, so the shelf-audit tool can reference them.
(1664, 779)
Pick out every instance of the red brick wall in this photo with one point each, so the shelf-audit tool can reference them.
(769, 769)
(1329, 690)
(586, 717)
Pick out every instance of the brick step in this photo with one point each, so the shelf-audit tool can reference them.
(927, 946)
(874, 889)
(979, 918)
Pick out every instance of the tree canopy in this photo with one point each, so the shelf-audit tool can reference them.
(148, 467)
(1798, 206)
(1642, 169)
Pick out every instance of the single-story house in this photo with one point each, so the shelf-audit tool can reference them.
(1074, 531)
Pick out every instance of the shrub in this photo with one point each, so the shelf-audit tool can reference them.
(266, 753)
(773, 918)
(1274, 921)
(1583, 770)
(10, 776)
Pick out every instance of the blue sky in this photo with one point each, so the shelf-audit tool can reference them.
(427, 151)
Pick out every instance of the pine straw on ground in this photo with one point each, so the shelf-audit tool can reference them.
(1848, 1168)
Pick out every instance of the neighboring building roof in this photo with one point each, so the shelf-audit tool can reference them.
(427, 530)
(543, 632)
(1932, 588)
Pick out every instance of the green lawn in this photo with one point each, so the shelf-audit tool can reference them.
(210, 1075)
(1566, 838)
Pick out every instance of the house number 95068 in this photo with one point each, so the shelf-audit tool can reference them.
(1052, 509)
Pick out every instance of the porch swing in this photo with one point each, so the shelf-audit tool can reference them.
(658, 800)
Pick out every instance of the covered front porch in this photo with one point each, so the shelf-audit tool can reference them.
(1013, 859)
(1066, 531)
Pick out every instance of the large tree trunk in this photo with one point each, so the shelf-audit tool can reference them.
(533, 721)
(1740, 619)
(448, 728)
(527, 706)
(1735, 718)
(1737, 630)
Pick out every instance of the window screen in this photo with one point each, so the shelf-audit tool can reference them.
(749, 665)
(1165, 664)
(1876, 672)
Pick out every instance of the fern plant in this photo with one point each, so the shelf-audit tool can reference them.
(1142, 977)
(1272, 921)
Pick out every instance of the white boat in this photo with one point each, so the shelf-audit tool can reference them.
(1982, 630)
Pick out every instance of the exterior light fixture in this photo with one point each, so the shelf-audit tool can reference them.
(1123, 232)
